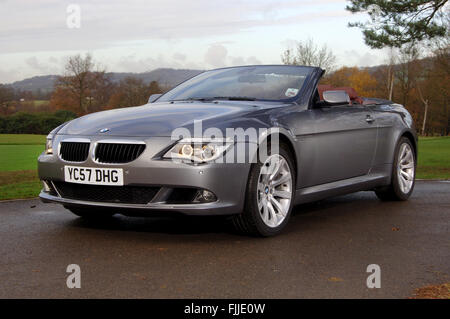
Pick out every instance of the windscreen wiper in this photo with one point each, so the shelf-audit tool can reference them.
(194, 99)
(229, 98)
(234, 98)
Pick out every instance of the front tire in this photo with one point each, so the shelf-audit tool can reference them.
(269, 195)
(403, 174)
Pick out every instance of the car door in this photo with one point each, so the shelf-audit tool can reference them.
(341, 146)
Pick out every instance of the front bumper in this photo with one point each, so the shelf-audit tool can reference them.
(226, 180)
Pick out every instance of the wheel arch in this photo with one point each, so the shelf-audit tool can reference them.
(412, 139)
(283, 138)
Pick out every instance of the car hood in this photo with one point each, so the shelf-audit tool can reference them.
(157, 119)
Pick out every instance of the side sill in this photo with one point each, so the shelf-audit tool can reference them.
(346, 186)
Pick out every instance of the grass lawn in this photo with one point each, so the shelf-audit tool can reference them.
(38, 103)
(19, 184)
(22, 139)
(434, 158)
(19, 157)
(18, 165)
(19, 153)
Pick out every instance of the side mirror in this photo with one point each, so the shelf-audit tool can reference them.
(153, 98)
(336, 97)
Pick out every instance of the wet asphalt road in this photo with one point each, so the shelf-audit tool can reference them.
(323, 253)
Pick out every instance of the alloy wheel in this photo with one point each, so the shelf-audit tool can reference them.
(405, 168)
(274, 190)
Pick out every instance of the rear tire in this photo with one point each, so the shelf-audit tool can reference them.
(90, 213)
(269, 196)
(403, 173)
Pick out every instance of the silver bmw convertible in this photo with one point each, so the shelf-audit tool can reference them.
(248, 142)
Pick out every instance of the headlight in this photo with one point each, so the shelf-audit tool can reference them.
(49, 145)
(199, 150)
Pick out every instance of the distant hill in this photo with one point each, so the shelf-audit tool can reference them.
(165, 77)
(44, 83)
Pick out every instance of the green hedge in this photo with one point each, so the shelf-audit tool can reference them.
(33, 123)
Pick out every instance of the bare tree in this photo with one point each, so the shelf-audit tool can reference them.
(287, 57)
(425, 103)
(133, 92)
(391, 73)
(414, 74)
(407, 71)
(310, 54)
(83, 79)
(442, 54)
(418, 77)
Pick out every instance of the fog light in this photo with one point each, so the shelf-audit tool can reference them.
(204, 196)
(46, 187)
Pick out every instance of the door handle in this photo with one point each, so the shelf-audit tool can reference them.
(369, 119)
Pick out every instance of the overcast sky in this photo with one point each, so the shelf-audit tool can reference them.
(138, 35)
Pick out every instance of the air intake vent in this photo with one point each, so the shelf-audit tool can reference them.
(74, 151)
(117, 153)
(108, 194)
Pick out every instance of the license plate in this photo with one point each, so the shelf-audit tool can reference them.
(93, 176)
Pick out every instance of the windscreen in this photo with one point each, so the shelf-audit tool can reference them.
(269, 83)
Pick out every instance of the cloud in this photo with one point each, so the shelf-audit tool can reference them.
(236, 61)
(53, 60)
(7, 76)
(180, 57)
(141, 35)
(352, 58)
(34, 63)
(253, 60)
(131, 63)
(216, 55)
(42, 26)
(40, 67)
